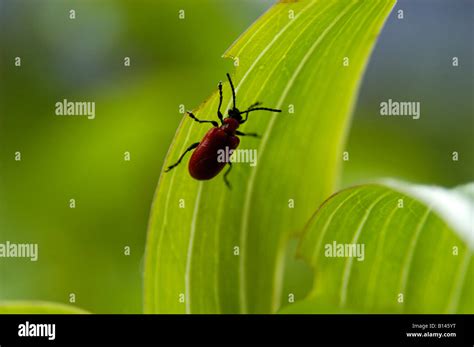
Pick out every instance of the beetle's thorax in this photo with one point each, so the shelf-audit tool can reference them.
(230, 125)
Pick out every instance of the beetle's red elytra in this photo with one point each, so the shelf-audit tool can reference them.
(204, 163)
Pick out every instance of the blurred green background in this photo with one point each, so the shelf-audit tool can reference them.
(178, 61)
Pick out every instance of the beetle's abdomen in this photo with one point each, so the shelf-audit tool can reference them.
(204, 163)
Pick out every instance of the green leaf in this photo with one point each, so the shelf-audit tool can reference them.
(292, 57)
(37, 307)
(418, 241)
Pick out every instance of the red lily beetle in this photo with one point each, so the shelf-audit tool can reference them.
(204, 163)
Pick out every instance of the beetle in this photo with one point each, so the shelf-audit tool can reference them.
(204, 163)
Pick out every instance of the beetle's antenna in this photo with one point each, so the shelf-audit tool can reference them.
(256, 109)
(232, 87)
(260, 109)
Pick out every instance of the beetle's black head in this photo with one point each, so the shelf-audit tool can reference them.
(235, 113)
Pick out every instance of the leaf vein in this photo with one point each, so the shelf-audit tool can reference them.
(348, 267)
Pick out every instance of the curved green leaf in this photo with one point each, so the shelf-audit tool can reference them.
(413, 261)
(37, 307)
(223, 251)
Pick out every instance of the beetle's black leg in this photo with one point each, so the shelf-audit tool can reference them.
(247, 111)
(261, 109)
(232, 87)
(219, 114)
(254, 104)
(248, 134)
(226, 181)
(256, 109)
(190, 114)
(190, 148)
